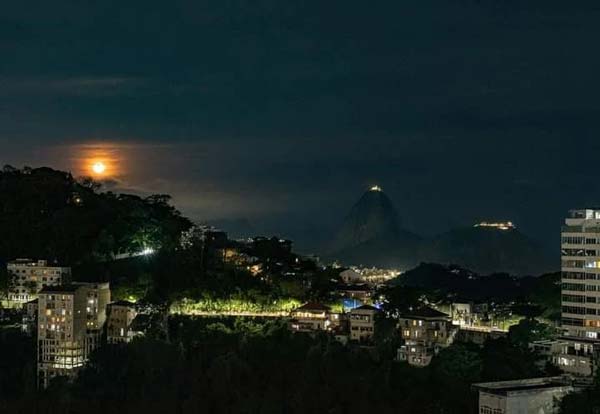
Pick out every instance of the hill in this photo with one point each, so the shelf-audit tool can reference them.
(46, 213)
(458, 284)
(489, 250)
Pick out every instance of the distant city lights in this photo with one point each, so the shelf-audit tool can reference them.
(376, 188)
(508, 225)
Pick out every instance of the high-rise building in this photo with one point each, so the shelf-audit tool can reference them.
(30, 276)
(70, 322)
(580, 266)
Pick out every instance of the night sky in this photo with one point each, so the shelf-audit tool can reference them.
(284, 112)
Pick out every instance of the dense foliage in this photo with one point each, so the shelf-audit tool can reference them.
(48, 214)
(453, 283)
(257, 366)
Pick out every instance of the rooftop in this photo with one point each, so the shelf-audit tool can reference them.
(60, 289)
(313, 306)
(122, 303)
(585, 213)
(425, 312)
(366, 307)
(530, 384)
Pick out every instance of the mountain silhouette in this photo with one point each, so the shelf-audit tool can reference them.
(487, 250)
(371, 234)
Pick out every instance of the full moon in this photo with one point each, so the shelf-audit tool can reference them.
(99, 167)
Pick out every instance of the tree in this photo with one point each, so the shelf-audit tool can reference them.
(529, 330)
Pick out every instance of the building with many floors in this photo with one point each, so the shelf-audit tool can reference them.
(580, 265)
(31, 276)
(70, 323)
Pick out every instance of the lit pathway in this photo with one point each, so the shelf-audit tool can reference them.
(233, 313)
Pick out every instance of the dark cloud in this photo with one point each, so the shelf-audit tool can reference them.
(284, 112)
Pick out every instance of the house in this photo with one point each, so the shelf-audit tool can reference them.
(362, 322)
(312, 317)
(424, 332)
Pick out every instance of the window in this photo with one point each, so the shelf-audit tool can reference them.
(573, 298)
(574, 286)
(592, 264)
(574, 263)
(489, 410)
(572, 321)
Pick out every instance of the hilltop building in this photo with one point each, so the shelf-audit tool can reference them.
(31, 276)
(424, 332)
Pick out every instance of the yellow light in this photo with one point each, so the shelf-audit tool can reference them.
(99, 167)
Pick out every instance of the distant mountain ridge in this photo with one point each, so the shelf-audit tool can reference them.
(371, 235)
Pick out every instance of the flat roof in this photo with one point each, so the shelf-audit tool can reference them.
(313, 306)
(60, 289)
(530, 384)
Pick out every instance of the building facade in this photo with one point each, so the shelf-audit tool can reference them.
(120, 316)
(424, 332)
(362, 323)
(528, 396)
(312, 317)
(580, 249)
(70, 322)
(30, 276)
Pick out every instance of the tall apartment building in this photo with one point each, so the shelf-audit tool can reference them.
(580, 265)
(70, 322)
(31, 276)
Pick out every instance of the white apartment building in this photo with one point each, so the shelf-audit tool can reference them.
(580, 246)
(70, 322)
(31, 276)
